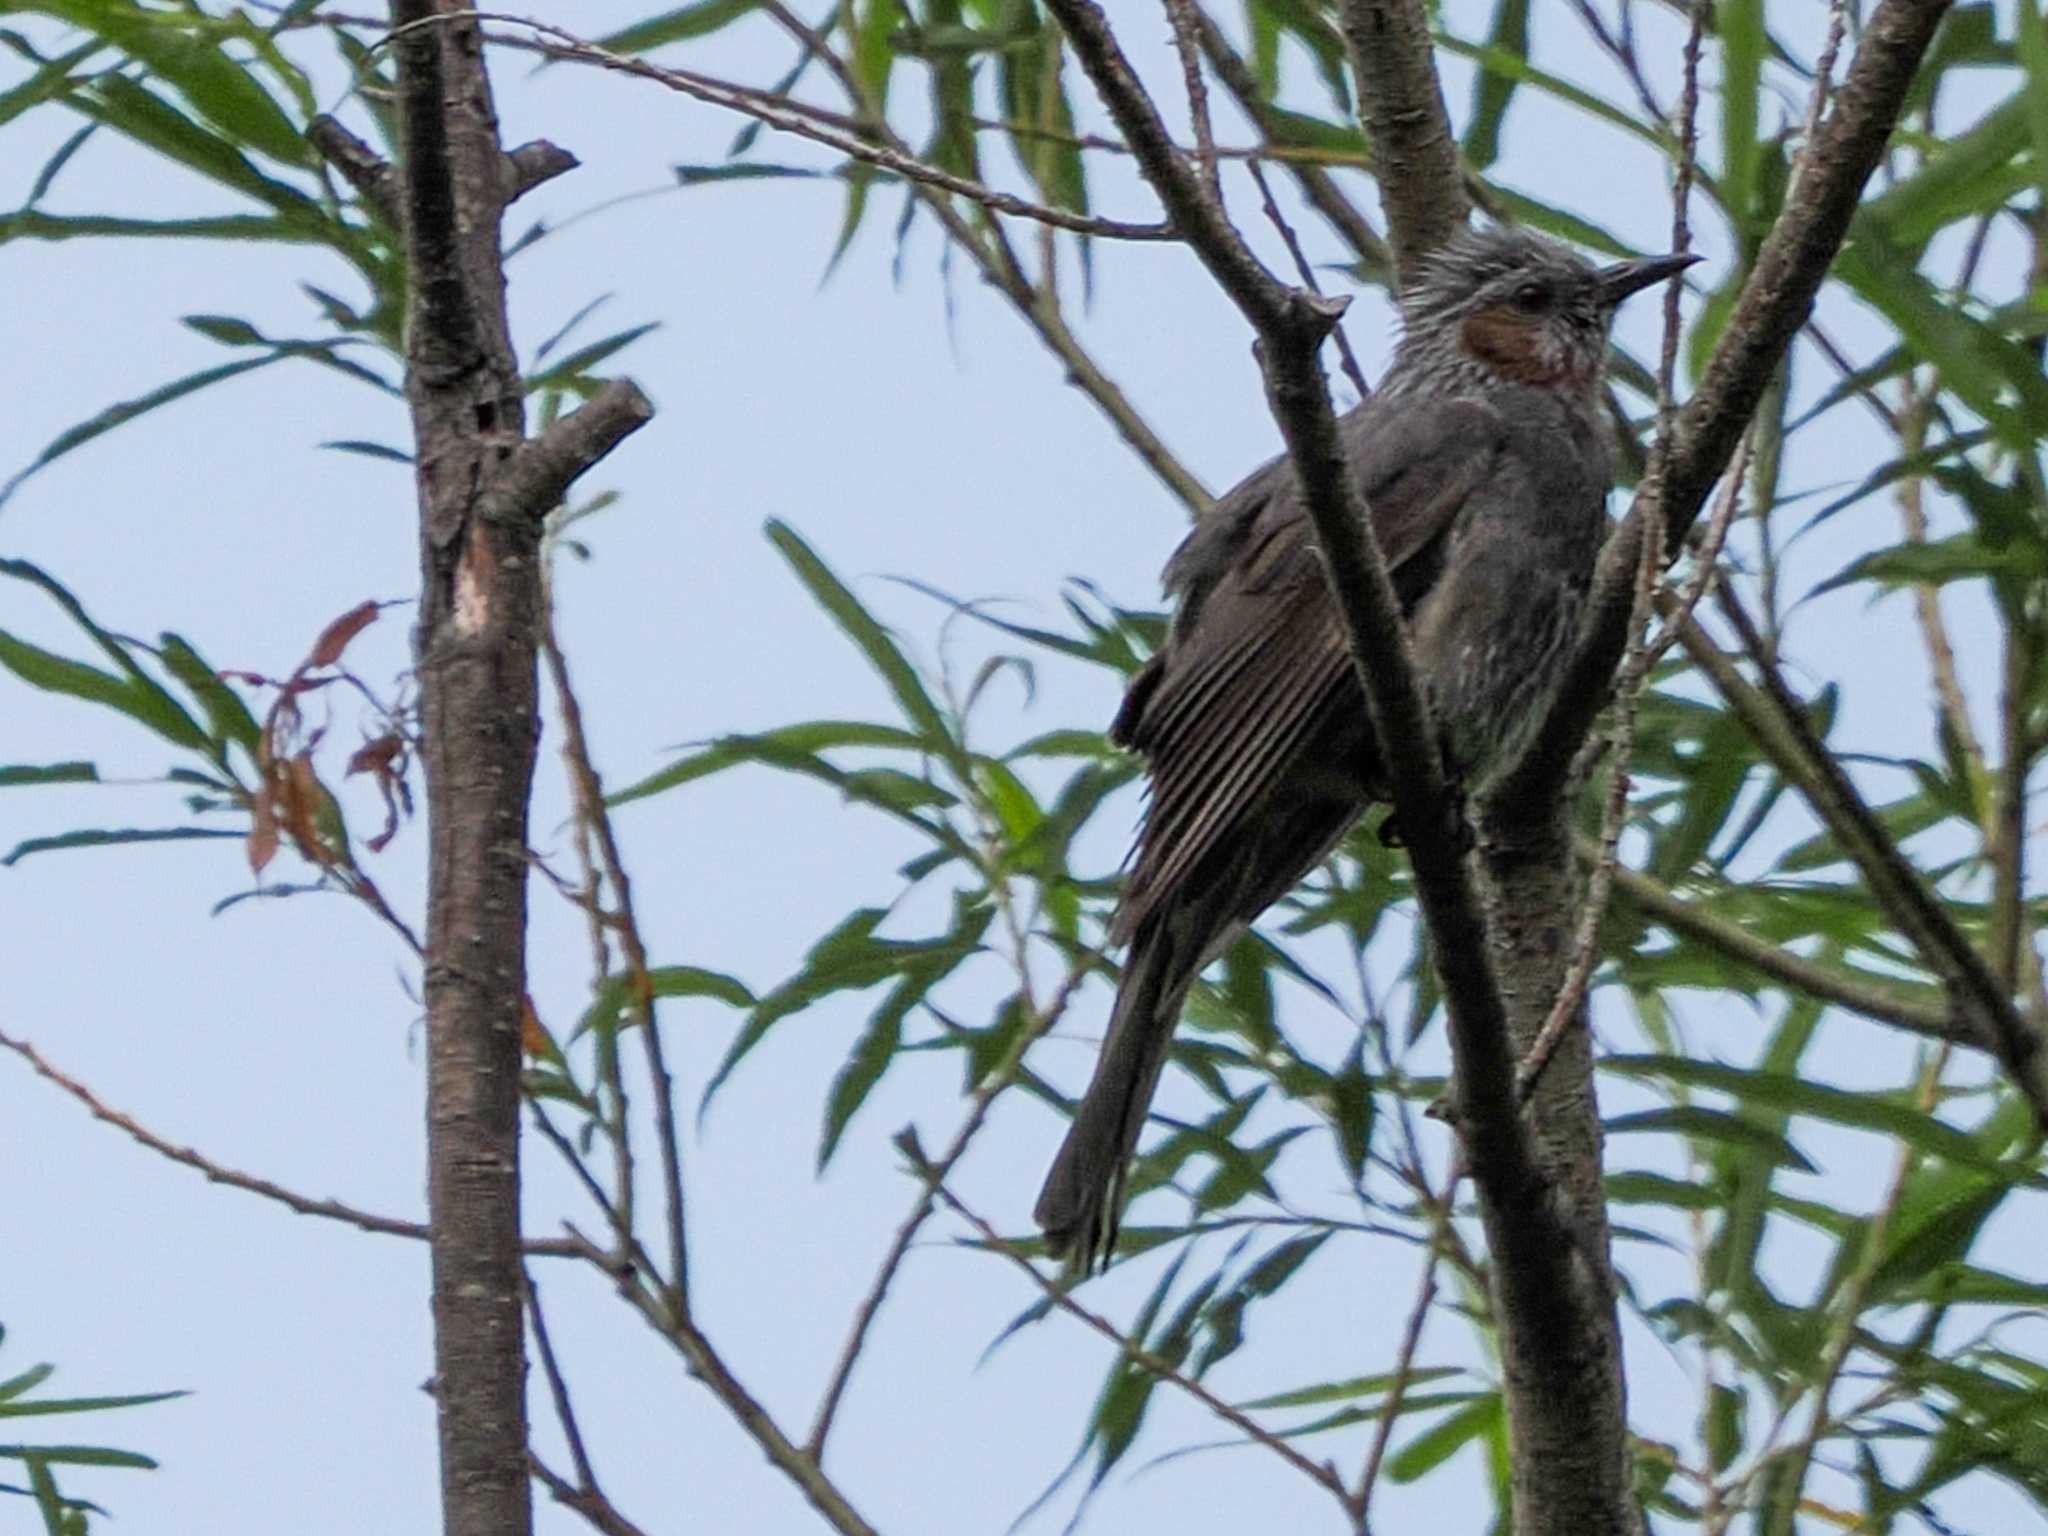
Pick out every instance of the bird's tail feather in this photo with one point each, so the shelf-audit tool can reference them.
(1079, 1207)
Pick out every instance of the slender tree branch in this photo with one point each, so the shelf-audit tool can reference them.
(1404, 1355)
(1871, 998)
(220, 1173)
(596, 817)
(1306, 164)
(1422, 184)
(558, 1390)
(708, 1367)
(1774, 303)
(1783, 731)
(1184, 14)
(1911, 426)
(1000, 1077)
(794, 117)
(1639, 654)
(1307, 273)
(596, 1510)
(1780, 1518)
(1061, 1297)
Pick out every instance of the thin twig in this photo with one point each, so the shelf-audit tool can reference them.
(558, 1390)
(1138, 1355)
(794, 117)
(1849, 1302)
(594, 1507)
(708, 1366)
(1636, 659)
(1869, 996)
(1823, 81)
(1404, 1356)
(1307, 273)
(1779, 724)
(1183, 14)
(1039, 308)
(1622, 49)
(999, 1078)
(218, 1173)
(1941, 653)
(591, 810)
(1304, 161)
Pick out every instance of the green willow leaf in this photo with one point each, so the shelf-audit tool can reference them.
(1716, 1126)
(882, 652)
(127, 410)
(678, 26)
(1802, 1096)
(177, 50)
(1444, 1439)
(111, 837)
(1494, 89)
(50, 773)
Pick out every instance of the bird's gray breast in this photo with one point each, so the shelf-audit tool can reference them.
(1493, 636)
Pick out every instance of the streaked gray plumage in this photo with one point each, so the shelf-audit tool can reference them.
(1486, 466)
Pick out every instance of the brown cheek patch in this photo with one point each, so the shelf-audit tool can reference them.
(1511, 344)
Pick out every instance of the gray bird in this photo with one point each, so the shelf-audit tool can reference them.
(1486, 464)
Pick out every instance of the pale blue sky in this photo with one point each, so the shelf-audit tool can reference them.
(280, 1038)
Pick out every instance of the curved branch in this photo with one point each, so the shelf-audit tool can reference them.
(1870, 998)
(220, 1173)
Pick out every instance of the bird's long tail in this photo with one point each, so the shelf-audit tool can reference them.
(1083, 1195)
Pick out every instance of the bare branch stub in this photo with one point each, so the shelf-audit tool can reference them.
(534, 163)
(358, 165)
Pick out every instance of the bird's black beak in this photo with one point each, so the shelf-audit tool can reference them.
(1626, 277)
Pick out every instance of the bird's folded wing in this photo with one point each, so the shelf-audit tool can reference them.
(1258, 662)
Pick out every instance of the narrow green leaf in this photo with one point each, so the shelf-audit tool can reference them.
(793, 747)
(1494, 88)
(584, 359)
(874, 642)
(27, 1381)
(679, 25)
(1717, 1126)
(28, 224)
(743, 170)
(22, 1410)
(76, 1456)
(369, 450)
(227, 716)
(1347, 1391)
(1803, 1096)
(176, 49)
(2030, 41)
(1741, 27)
(52, 773)
(1442, 1440)
(872, 1055)
(127, 410)
(108, 838)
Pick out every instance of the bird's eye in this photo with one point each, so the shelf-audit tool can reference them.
(1530, 297)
